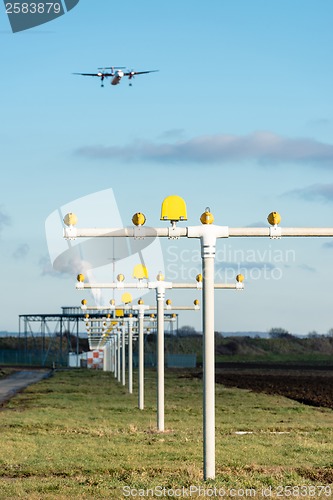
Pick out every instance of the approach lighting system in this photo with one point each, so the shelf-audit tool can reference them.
(174, 209)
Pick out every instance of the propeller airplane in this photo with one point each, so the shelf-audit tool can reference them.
(116, 73)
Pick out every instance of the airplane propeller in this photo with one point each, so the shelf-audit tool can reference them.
(131, 76)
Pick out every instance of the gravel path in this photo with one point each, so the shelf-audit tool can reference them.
(12, 384)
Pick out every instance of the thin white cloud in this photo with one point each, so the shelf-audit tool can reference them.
(21, 251)
(258, 224)
(175, 133)
(4, 219)
(305, 267)
(263, 147)
(315, 192)
(63, 267)
(320, 123)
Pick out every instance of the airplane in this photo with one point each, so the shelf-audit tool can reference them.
(116, 73)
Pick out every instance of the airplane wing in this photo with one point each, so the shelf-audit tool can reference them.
(133, 73)
(95, 74)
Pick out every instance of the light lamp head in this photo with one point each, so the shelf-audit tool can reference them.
(274, 218)
(138, 219)
(207, 217)
(70, 219)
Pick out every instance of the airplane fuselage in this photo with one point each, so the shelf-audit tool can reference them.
(117, 77)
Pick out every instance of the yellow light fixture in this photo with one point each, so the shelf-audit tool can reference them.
(70, 219)
(274, 218)
(207, 217)
(126, 298)
(173, 209)
(140, 272)
(138, 219)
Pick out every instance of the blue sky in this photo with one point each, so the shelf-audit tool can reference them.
(239, 118)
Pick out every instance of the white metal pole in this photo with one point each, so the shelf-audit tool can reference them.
(153, 232)
(107, 358)
(118, 355)
(130, 356)
(141, 360)
(160, 295)
(112, 353)
(123, 352)
(115, 353)
(208, 256)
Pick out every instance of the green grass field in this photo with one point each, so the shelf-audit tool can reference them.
(79, 435)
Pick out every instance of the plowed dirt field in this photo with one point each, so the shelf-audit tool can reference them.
(310, 385)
